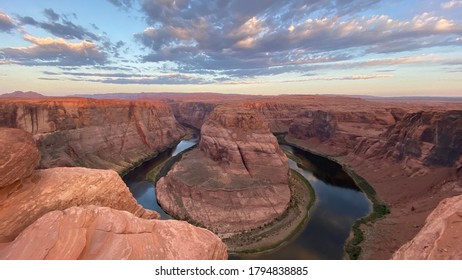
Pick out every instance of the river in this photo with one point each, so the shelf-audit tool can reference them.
(339, 203)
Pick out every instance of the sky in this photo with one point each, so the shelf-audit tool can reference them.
(370, 47)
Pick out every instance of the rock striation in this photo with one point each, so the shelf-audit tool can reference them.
(18, 155)
(92, 232)
(236, 181)
(105, 134)
(60, 188)
(439, 239)
(26, 195)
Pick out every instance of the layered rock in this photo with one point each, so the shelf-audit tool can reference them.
(103, 233)
(18, 156)
(410, 156)
(236, 181)
(439, 239)
(192, 113)
(60, 188)
(104, 134)
(432, 138)
(319, 124)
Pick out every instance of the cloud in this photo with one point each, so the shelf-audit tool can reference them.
(252, 38)
(451, 4)
(63, 29)
(7, 24)
(51, 15)
(124, 4)
(167, 79)
(345, 78)
(59, 52)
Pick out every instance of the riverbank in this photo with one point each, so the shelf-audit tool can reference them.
(379, 209)
(408, 198)
(283, 229)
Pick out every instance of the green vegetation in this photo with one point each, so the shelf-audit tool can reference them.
(379, 209)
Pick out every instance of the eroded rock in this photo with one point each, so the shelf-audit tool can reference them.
(236, 181)
(440, 237)
(92, 232)
(61, 188)
(18, 155)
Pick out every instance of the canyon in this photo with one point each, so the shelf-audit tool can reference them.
(82, 213)
(409, 151)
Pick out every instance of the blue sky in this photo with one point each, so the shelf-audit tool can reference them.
(374, 47)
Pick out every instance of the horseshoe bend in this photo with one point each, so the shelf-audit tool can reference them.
(245, 187)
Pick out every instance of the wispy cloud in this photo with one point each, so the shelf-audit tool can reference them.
(345, 78)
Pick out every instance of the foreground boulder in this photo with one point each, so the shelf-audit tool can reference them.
(236, 181)
(61, 188)
(440, 237)
(103, 233)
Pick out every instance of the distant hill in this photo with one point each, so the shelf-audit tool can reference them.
(22, 94)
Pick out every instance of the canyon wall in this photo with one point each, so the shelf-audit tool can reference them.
(412, 158)
(236, 181)
(103, 134)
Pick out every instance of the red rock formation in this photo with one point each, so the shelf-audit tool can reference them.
(26, 195)
(411, 159)
(439, 239)
(61, 188)
(192, 113)
(103, 134)
(103, 233)
(18, 156)
(237, 181)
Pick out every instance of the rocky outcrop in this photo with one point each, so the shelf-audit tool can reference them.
(18, 156)
(319, 124)
(439, 239)
(432, 138)
(236, 181)
(60, 188)
(104, 134)
(103, 233)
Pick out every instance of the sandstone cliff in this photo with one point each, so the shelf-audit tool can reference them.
(192, 113)
(103, 233)
(411, 158)
(236, 181)
(439, 239)
(18, 156)
(39, 220)
(34, 193)
(102, 134)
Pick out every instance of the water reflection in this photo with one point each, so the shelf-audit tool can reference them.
(144, 191)
(339, 203)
